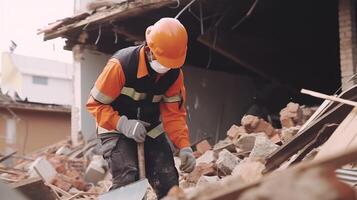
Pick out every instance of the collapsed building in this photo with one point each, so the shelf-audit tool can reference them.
(246, 61)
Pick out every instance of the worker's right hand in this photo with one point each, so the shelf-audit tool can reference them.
(132, 128)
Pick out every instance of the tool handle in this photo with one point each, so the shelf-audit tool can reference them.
(141, 160)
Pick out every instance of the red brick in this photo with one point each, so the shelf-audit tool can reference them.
(62, 184)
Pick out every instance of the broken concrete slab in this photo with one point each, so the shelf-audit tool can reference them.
(64, 150)
(207, 157)
(224, 144)
(207, 179)
(263, 147)
(250, 170)
(246, 143)
(226, 162)
(203, 146)
(96, 170)
(41, 167)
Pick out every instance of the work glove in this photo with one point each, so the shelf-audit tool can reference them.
(188, 161)
(132, 128)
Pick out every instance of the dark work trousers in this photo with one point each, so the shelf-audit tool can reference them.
(121, 154)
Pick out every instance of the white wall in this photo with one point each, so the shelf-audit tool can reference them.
(57, 91)
(90, 68)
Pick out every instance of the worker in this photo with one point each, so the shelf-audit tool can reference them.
(140, 91)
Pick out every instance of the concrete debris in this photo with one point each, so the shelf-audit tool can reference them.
(254, 124)
(263, 147)
(246, 143)
(43, 169)
(227, 162)
(224, 144)
(235, 132)
(207, 157)
(203, 146)
(64, 150)
(250, 170)
(202, 169)
(96, 170)
(291, 115)
(287, 134)
(207, 179)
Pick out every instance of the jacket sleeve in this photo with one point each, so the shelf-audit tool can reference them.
(173, 115)
(105, 90)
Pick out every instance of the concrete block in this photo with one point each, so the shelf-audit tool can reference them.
(44, 168)
(226, 162)
(263, 147)
(96, 170)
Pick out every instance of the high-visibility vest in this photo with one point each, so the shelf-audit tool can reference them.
(140, 97)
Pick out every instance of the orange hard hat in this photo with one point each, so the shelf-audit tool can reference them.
(167, 40)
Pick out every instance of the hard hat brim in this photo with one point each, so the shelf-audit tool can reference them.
(171, 62)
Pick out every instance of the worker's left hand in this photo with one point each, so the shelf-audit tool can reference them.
(188, 161)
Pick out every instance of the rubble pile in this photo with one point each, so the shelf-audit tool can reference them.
(239, 161)
(66, 169)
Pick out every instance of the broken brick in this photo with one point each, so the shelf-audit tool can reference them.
(59, 182)
(203, 146)
(201, 169)
(250, 122)
(235, 132)
(249, 170)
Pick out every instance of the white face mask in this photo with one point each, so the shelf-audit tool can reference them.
(155, 65)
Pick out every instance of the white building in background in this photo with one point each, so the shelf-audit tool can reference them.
(41, 80)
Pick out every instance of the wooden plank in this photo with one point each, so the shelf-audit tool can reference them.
(333, 113)
(341, 138)
(126, 10)
(7, 156)
(327, 97)
(34, 188)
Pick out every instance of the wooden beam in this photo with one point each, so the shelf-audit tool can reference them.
(334, 113)
(120, 12)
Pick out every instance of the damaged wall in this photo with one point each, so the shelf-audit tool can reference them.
(215, 101)
(89, 68)
(35, 129)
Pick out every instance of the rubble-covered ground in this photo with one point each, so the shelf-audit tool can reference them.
(78, 172)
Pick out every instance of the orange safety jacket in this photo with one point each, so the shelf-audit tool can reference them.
(126, 87)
